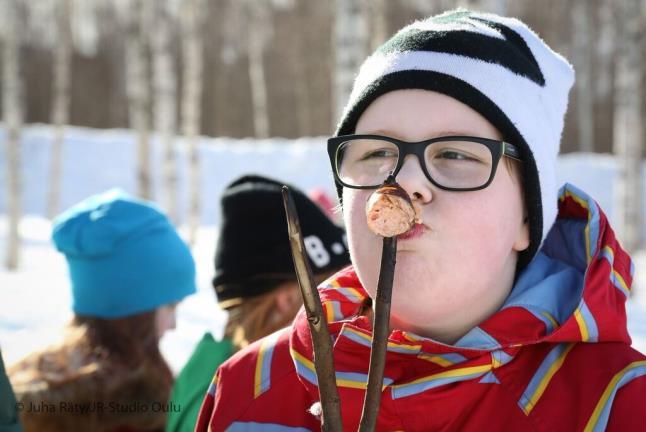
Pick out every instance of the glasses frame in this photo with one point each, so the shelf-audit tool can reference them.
(496, 147)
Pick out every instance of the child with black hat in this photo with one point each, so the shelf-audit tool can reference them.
(508, 298)
(255, 280)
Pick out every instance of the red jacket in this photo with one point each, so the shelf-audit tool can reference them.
(556, 357)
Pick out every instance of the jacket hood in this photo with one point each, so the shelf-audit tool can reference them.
(574, 290)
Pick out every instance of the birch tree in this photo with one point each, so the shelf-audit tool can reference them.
(426, 8)
(628, 139)
(603, 89)
(350, 48)
(301, 77)
(61, 100)
(192, 21)
(379, 31)
(582, 59)
(138, 91)
(12, 108)
(496, 6)
(258, 20)
(165, 92)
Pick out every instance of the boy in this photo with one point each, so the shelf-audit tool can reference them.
(504, 317)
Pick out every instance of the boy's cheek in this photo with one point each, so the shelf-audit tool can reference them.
(354, 216)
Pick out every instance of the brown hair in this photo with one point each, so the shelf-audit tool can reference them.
(256, 317)
(131, 340)
(114, 361)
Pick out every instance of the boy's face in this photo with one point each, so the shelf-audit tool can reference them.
(460, 269)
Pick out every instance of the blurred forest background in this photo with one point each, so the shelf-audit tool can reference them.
(282, 68)
(268, 67)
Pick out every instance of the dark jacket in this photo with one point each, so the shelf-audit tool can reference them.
(8, 407)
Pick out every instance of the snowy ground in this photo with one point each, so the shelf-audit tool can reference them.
(36, 299)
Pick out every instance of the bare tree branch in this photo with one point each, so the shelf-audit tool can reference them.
(323, 359)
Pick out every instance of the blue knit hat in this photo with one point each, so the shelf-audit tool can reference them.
(124, 256)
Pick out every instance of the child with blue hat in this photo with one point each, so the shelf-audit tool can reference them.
(128, 269)
(124, 256)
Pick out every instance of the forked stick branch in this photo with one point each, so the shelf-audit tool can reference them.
(323, 360)
(391, 213)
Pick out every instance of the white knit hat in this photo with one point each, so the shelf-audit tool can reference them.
(497, 66)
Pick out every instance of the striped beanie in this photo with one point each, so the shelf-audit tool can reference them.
(498, 67)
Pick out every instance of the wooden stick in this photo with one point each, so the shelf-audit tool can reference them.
(380, 334)
(323, 360)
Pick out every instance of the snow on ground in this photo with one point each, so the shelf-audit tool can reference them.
(95, 160)
(36, 299)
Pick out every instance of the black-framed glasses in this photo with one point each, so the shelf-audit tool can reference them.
(454, 163)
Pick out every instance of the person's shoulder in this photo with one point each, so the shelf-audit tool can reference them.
(599, 362)
(612, 355)
(53, 384)
(258, 382)
(193, 381)
(207, 355)
(575, 386)
(270, 349)
(619, 372)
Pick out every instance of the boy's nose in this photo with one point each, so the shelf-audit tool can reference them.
(412, 179)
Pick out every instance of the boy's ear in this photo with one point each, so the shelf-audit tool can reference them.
(522, 238)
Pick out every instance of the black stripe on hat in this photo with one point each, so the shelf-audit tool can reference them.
(511, 52)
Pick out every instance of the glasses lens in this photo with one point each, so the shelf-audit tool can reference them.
(459, 164)
(365, 162)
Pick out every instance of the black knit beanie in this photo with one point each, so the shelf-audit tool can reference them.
(498, 67)
(253, 254)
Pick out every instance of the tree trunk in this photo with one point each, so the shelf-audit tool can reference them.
(350, 44)
(583, 65)
(192, 21)
(628, 138)
(427, 8)
(604, 82)
(379, 32)
(301, 77)
(496, 6)
(61, 103)
(493, 6)
(138, 91)
(165, 90)
(12, 112)
(258, 19)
